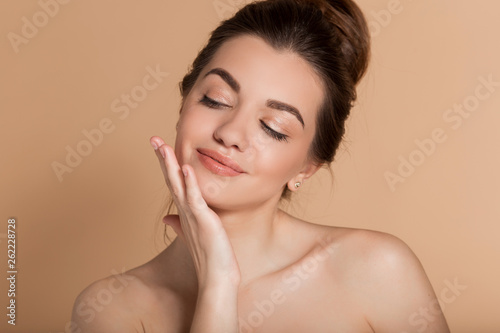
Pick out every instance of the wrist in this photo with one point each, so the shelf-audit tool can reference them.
(218, 297)
(216, 310)
(226, 280)
(219, 284)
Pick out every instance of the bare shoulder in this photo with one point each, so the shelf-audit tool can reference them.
(376, 247)
(109, 305)
(386, 279)
(366, 251)
(122, 302)
(373, 255)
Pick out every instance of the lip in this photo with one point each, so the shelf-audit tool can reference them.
(218, 163)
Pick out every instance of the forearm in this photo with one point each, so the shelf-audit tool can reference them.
(216, 310)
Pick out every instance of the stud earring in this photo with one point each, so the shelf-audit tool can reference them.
(297, 185)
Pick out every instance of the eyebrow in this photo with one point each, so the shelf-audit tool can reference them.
(270, 103)
(285, 107)
(228, 78)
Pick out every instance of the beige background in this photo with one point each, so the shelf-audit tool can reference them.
(101, 217)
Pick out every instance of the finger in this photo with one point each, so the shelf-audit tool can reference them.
(156, 142)
(170, 168)
(194, 198)
(206, 218)
(172, 173)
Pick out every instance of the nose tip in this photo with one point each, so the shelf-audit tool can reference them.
(232, 133)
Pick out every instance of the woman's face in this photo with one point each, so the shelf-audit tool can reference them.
(257, 107)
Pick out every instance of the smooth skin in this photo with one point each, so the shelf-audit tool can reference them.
(239, 263)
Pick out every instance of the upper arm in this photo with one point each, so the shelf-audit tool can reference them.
(396, 289)
(106, 306)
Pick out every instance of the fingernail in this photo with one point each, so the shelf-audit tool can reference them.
(184, 171)
(155, 146)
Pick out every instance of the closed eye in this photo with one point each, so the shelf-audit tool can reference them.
(211, 103)
(272, 133)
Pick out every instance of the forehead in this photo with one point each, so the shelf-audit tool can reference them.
(266, 73)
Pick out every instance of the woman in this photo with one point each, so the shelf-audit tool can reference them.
(263, 109)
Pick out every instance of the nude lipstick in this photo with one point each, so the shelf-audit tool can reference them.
(218, 164)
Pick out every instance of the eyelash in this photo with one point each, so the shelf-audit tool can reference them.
(275, 135)
(210, 102)
(205, 100)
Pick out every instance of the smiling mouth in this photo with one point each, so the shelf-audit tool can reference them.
(218, 164)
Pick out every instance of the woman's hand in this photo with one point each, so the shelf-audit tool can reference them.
(197, 225)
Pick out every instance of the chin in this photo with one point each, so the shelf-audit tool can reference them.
(213, 188)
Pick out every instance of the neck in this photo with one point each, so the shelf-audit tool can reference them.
(250, 227)
(252, 233)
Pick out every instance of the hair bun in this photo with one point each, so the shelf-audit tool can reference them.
(347, 18)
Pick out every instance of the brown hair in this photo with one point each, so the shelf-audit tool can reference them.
(331, 35)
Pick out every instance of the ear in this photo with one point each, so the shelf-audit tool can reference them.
(309, 169)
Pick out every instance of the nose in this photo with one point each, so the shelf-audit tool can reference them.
(233, 130)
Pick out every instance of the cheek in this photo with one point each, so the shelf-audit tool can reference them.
(192, 118)
(187, 134)
(193, 121)
(280, 162)
(194, 128)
